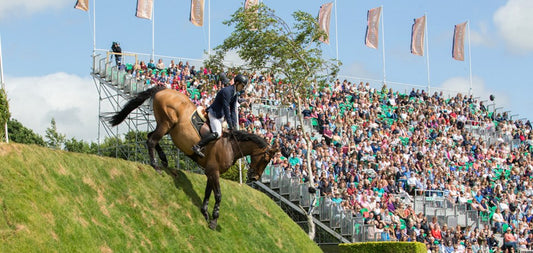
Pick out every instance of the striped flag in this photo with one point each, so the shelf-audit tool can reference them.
(458, 51)
(197, 12)
(324, 16)
(417, 36)
(144, 9)
(250, 3)
(372, 28)
(82, 5)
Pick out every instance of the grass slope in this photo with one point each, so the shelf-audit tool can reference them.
(55, 201)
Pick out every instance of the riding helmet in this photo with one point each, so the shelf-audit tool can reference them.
(240, 79)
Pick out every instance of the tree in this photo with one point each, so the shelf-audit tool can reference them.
(80, 146)
(20, 134)
(5, 115)
(294, 54)
(54, 139)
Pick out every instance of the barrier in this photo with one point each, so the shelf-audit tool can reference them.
(325, 208)
(336, 215)
(285, 183)
(294, 192)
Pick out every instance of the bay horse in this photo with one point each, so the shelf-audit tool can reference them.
(172, 112)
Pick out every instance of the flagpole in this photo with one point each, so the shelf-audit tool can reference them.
(383, 44)
(336, 34)
(427, 52)
(469, 58)
(153, 26)
(3, 87)
(94, 28)
(209, 28)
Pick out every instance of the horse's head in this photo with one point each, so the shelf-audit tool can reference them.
(259, 162)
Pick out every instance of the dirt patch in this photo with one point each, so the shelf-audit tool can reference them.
(61, 170)
(115, 173)
(102, 203)
(89, 181)
(6, 149)
(105, 249)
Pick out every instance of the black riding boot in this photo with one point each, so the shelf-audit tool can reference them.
(204, 141)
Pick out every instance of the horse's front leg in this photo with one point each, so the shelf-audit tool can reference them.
(207, 195)
(218, 198)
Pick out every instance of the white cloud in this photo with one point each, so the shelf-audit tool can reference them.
(460, 84)
(515, 24)
(71, 100)
(12, 8)
(482, 36)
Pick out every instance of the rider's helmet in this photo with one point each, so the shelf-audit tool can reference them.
(240, 79)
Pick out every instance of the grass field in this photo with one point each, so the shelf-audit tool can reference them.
(56, 201)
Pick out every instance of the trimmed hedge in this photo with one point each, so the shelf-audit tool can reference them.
(384, 247)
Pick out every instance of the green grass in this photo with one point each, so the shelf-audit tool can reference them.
(55, 201)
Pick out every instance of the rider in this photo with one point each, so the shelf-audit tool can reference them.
(223, 108)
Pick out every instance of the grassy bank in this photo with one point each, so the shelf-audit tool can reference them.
(55, 201)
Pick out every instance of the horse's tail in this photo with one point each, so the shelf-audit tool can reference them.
(133, 104)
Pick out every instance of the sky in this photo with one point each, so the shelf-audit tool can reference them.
(47, 47)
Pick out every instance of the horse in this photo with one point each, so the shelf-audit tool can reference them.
(173, 112)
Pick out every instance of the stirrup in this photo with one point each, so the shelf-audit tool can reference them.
(197, 150)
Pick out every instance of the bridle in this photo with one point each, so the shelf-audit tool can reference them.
(250, 169)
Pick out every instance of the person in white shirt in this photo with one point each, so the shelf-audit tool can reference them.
(498, 220)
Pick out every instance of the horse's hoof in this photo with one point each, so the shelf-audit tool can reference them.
(213, 225)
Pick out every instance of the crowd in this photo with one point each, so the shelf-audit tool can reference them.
(377, 143)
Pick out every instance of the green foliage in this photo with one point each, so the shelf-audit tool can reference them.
(109, 147)
(54, 139)
(81, 146)
(4, 111)
(385, 247)
(20, 134)
(233, 172)
(268, 44)
(55, 201)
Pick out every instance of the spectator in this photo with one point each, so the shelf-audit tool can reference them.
(117, 52)
(509, 241)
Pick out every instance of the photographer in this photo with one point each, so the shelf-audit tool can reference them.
(115, 47)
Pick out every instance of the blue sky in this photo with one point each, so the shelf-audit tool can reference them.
(47, 44)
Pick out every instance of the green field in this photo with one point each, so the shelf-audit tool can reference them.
(56, 201)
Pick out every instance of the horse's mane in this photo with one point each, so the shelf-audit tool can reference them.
(245, 136)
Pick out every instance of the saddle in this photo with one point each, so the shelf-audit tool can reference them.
(200, 121)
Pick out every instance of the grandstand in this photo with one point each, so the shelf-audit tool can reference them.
(388, 165)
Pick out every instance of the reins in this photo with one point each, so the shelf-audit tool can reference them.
(240, 150)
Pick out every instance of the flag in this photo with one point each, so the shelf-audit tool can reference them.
(197, 12)
(250, 3)
(417, 36)
(324, 16)
(82, 5)
(458, 51)
(144, 9)
(372, 28)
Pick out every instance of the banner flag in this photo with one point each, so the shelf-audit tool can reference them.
(324, 16)
(417, 36)
(197, 12)
(250, 3)
(372, 28)
(144, 9)
(82, 5)
(458, 51)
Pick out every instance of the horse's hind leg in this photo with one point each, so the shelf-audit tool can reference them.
(162, 155)
(152, 143)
